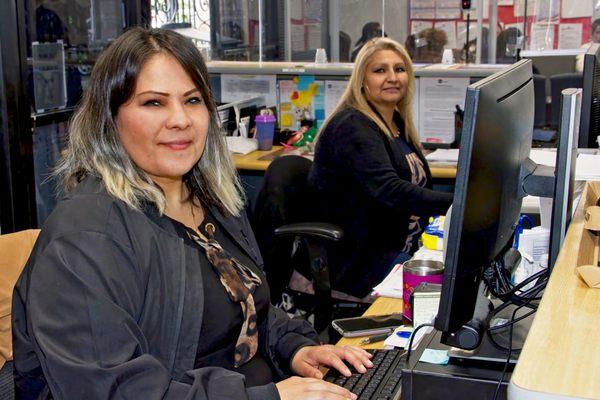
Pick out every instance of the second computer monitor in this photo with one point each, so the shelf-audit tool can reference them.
(496, 141)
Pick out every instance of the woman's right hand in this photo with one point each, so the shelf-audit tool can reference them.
(297, 388)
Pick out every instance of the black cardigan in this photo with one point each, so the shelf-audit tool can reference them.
(364, 184)
(110, 305)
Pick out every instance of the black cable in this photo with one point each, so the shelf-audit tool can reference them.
(412, 337)
(505, 325)
(510, 349)
(507, 363)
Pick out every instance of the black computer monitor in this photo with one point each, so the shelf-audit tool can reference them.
(495, 144)
(590, 102)
(494, 174)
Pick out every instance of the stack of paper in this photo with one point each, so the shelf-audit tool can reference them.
(391, 286)
(443, 156)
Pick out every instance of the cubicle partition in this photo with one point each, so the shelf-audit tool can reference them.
(301, 90)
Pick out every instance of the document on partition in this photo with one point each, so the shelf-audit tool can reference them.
(242, 87)
(438, 98)
(569, 36)
(333, 93)
(577, 8)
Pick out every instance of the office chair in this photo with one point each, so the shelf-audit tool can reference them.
(14, 252)
(558, 83)
(290, 236)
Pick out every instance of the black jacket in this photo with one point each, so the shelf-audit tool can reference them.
(108, 307)
(364, 185)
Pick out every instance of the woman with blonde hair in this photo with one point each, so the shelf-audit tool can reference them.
(146, 280)
(369, 171)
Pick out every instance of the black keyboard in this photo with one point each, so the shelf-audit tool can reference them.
(382, 382)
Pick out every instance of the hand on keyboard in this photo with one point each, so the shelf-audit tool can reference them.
(308, 359)
(296, 388)
(383, 381)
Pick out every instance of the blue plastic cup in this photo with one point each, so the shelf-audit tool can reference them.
(265, 128)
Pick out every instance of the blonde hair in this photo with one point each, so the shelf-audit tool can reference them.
(94, 144)
(354, 96)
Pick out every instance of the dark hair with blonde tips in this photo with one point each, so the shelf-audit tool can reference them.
(355, 97)
(95, 147)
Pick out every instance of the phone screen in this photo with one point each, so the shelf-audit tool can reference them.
(369, 323)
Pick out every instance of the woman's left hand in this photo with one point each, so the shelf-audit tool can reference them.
(307, 360)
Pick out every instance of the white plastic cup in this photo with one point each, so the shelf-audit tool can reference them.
(320, 56)
(447, 57)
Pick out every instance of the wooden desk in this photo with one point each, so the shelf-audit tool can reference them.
(561, 356)
(381, 306)
(252, 162)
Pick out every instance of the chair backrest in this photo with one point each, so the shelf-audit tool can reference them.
(14, 252)
(539, 89)
(284, 198)
(558, 83)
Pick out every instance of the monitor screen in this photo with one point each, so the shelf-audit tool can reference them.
(496, 140)
(590, 102)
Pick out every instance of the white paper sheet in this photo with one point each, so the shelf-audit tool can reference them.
(422, 13)
(547, 11)
(298, 38)
(541, 37)
(314, 36)
(241, 87)
(418, 26)
(423, 3)
(520, 7)
(443, 155)
(447, 12)
(333, 93)
(577, 8)
(391, 286)
(505, 2)
(296, 10)
(569, 36)
(438, 98)
(450, 28)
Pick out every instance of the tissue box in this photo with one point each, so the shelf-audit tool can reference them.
(425, 302)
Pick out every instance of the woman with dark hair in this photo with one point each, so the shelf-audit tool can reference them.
(369, 171)
(369, 31)
(146, 280)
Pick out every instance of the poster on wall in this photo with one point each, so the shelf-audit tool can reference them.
(299, 98)
(519, 7)
(541, 37)
(577, 8)
(569, 36)
(547, 11)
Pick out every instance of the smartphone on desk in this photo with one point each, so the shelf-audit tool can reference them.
(367, 325)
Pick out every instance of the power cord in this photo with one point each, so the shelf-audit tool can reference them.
(412, 337)
(511, 325)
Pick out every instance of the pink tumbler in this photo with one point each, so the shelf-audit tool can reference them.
(415, 272)
(265, 128)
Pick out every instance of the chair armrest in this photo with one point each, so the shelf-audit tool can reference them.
(312, 229)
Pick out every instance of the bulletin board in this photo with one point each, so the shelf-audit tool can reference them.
(551, 24)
